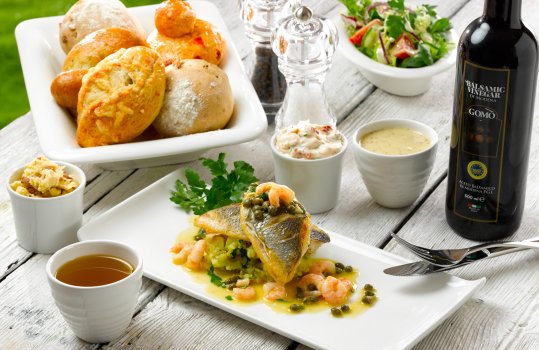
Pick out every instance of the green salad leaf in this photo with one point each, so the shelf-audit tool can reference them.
(405, 38)
(394, 25)
(396, 4)
(226, 187)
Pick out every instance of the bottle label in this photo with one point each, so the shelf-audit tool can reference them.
(483, 102)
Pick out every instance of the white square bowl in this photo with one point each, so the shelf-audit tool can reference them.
(42, 58)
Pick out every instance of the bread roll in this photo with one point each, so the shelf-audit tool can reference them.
(174, 18)
(87, 16)
(204, 42)
(120, 97)
(97, 45)
(198, 98)
(65, 88)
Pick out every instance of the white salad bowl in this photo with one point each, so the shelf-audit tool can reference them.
(397, 81)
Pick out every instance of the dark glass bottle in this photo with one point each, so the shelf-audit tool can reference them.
(492, 123)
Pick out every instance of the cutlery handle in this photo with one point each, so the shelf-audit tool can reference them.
(532, 243)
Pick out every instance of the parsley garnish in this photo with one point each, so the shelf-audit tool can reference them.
(229, 297)
(226, 187)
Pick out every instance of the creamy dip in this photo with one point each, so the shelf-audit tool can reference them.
(309, 141)
(395, 141)
(44, 178)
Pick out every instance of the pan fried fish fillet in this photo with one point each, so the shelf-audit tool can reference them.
(226, 221)
(279, 241)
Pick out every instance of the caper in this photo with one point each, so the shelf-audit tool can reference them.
(258, 201)
(338, 270)
(233, 279)
(273, 210)
(367, 300)
(299, 293)
(259, 215)
(265, 206)
(311, 287)
(369, 293)
(368, 287)
(311, 300)
(296, 307)
(247, 203)
(339, 265)
(345, 308)
(348, 268)
(335, 311)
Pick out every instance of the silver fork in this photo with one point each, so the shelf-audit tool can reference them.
(448, 257)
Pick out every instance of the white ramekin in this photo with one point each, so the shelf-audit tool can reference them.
(44, 225)
(395, 181)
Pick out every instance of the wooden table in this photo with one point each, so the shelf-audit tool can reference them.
(503, 315)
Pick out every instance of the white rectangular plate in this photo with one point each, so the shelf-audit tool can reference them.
(42, 58)
(408, 307)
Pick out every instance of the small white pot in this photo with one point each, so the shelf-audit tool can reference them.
(102, 313)
(395, 181)
(44, 225)
(316, 182)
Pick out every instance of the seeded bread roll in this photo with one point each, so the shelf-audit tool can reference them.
(87, 16)
(198, 98)
(120, 97)
(99, 44)
(204, 42)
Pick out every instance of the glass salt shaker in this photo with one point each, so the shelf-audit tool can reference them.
(260, 17)
(304, 44)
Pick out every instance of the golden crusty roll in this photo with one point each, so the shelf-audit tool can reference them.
(120, 97)
(97, 45)
(204, 42)
(65, 88)
(174, 18)
(87, 16)
(198, 98)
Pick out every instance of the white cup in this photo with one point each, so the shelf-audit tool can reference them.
(102, 313)
(316, 182)
(44, 225)
(395, 181)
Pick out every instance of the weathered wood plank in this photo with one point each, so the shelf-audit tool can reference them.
(186, 323)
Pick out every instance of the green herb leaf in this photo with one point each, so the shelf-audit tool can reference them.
(394, 25)
(396, 4)
(421, 59)
(226, 187)
(431, 9)
(215, 279)
(356, 8)
(440, 25)
(229, 297)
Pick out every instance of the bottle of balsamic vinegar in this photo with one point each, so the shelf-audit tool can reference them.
(492, 123)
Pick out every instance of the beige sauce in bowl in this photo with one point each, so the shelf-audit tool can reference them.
(395, 141)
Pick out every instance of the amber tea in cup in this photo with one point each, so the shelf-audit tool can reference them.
(94, 270)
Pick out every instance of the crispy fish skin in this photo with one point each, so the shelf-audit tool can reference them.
(279, 241)
(226, 221)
